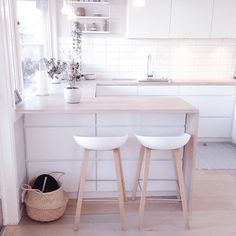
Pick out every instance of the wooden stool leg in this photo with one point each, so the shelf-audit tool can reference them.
(122, 175)
(178, 162)
(138, 170)
(144, 188)
(81, 189)
(177, 181)
(120, 187)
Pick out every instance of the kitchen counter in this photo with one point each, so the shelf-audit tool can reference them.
(55, 103)
(173, 82)
(50, 125)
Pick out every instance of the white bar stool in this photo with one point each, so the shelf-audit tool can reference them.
(101, 144)
(173, 144)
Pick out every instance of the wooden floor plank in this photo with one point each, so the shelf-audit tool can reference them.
(214, 213)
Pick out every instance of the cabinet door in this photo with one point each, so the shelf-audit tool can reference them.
(219, 127)
(54, 143)
(150, 21)
(224, 19)
(116, 90)
(212, 106)
(162, 90)
(191, 18)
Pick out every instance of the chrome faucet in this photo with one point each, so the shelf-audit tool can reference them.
(149, 67)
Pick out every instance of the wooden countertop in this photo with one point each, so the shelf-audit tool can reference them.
(55, 104)
(127, 82)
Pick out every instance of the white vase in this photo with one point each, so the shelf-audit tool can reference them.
(56, 79)
(42, 83)
(72, 95)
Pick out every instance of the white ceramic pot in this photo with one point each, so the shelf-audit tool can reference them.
(72, 95)
(56, 79)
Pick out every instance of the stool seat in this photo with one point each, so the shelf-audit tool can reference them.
(164, 143)
(174, 144)
(101, 143)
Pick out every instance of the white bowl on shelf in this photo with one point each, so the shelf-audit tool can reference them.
(90, 76)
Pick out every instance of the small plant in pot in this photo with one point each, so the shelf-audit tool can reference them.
(72, 94)
(55, 68)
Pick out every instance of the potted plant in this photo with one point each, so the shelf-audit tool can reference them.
(55, 68)
(72, 94)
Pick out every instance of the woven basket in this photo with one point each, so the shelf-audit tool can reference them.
(44, 207)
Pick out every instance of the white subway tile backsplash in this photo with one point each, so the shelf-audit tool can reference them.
(111, 57)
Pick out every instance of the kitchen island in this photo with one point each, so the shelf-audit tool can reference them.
(50, 125)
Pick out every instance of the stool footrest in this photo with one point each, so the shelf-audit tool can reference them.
(163, 199)
(159, 180)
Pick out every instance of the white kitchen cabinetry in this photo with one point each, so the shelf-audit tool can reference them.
(191, 18)
(150, 21)
(224, 19)
(143, 124)
(215, 104)
(216, 109)
(104, 90)
(151, 90)
(57, 141)
(50, 147)
(182, 19)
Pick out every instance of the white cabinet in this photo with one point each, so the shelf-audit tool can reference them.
(224, 19)
(212, 106)
(150, 21)
(54, 143)
(150, 90)
(215, 127)
(216, 109)
(107, 90)
(191, 18)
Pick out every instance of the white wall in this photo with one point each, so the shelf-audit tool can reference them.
(8, 157)
(114, 56)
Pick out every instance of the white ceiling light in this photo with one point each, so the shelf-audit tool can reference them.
(138, 3)
(68, 11)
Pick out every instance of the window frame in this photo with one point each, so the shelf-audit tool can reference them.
(52, 42)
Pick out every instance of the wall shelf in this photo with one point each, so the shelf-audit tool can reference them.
(99, 3)
(92, 18)
(95, 32)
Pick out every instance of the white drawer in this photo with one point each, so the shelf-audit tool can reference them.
(60, 120)
(70, 181)
(110, 174)
(55, 143)
(134, 119)
(207, 90)
(117, 118)
(161, 90)
(158, 170)
(213, 106)
(156, 119)
(215, 127)
(116, 90)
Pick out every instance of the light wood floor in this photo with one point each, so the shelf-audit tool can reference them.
(214, 214)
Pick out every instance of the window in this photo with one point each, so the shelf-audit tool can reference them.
(32, 23)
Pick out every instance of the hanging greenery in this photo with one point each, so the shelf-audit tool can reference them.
(77, 45)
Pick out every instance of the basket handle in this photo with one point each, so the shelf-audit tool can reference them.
(25, 188)
(57, 174)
